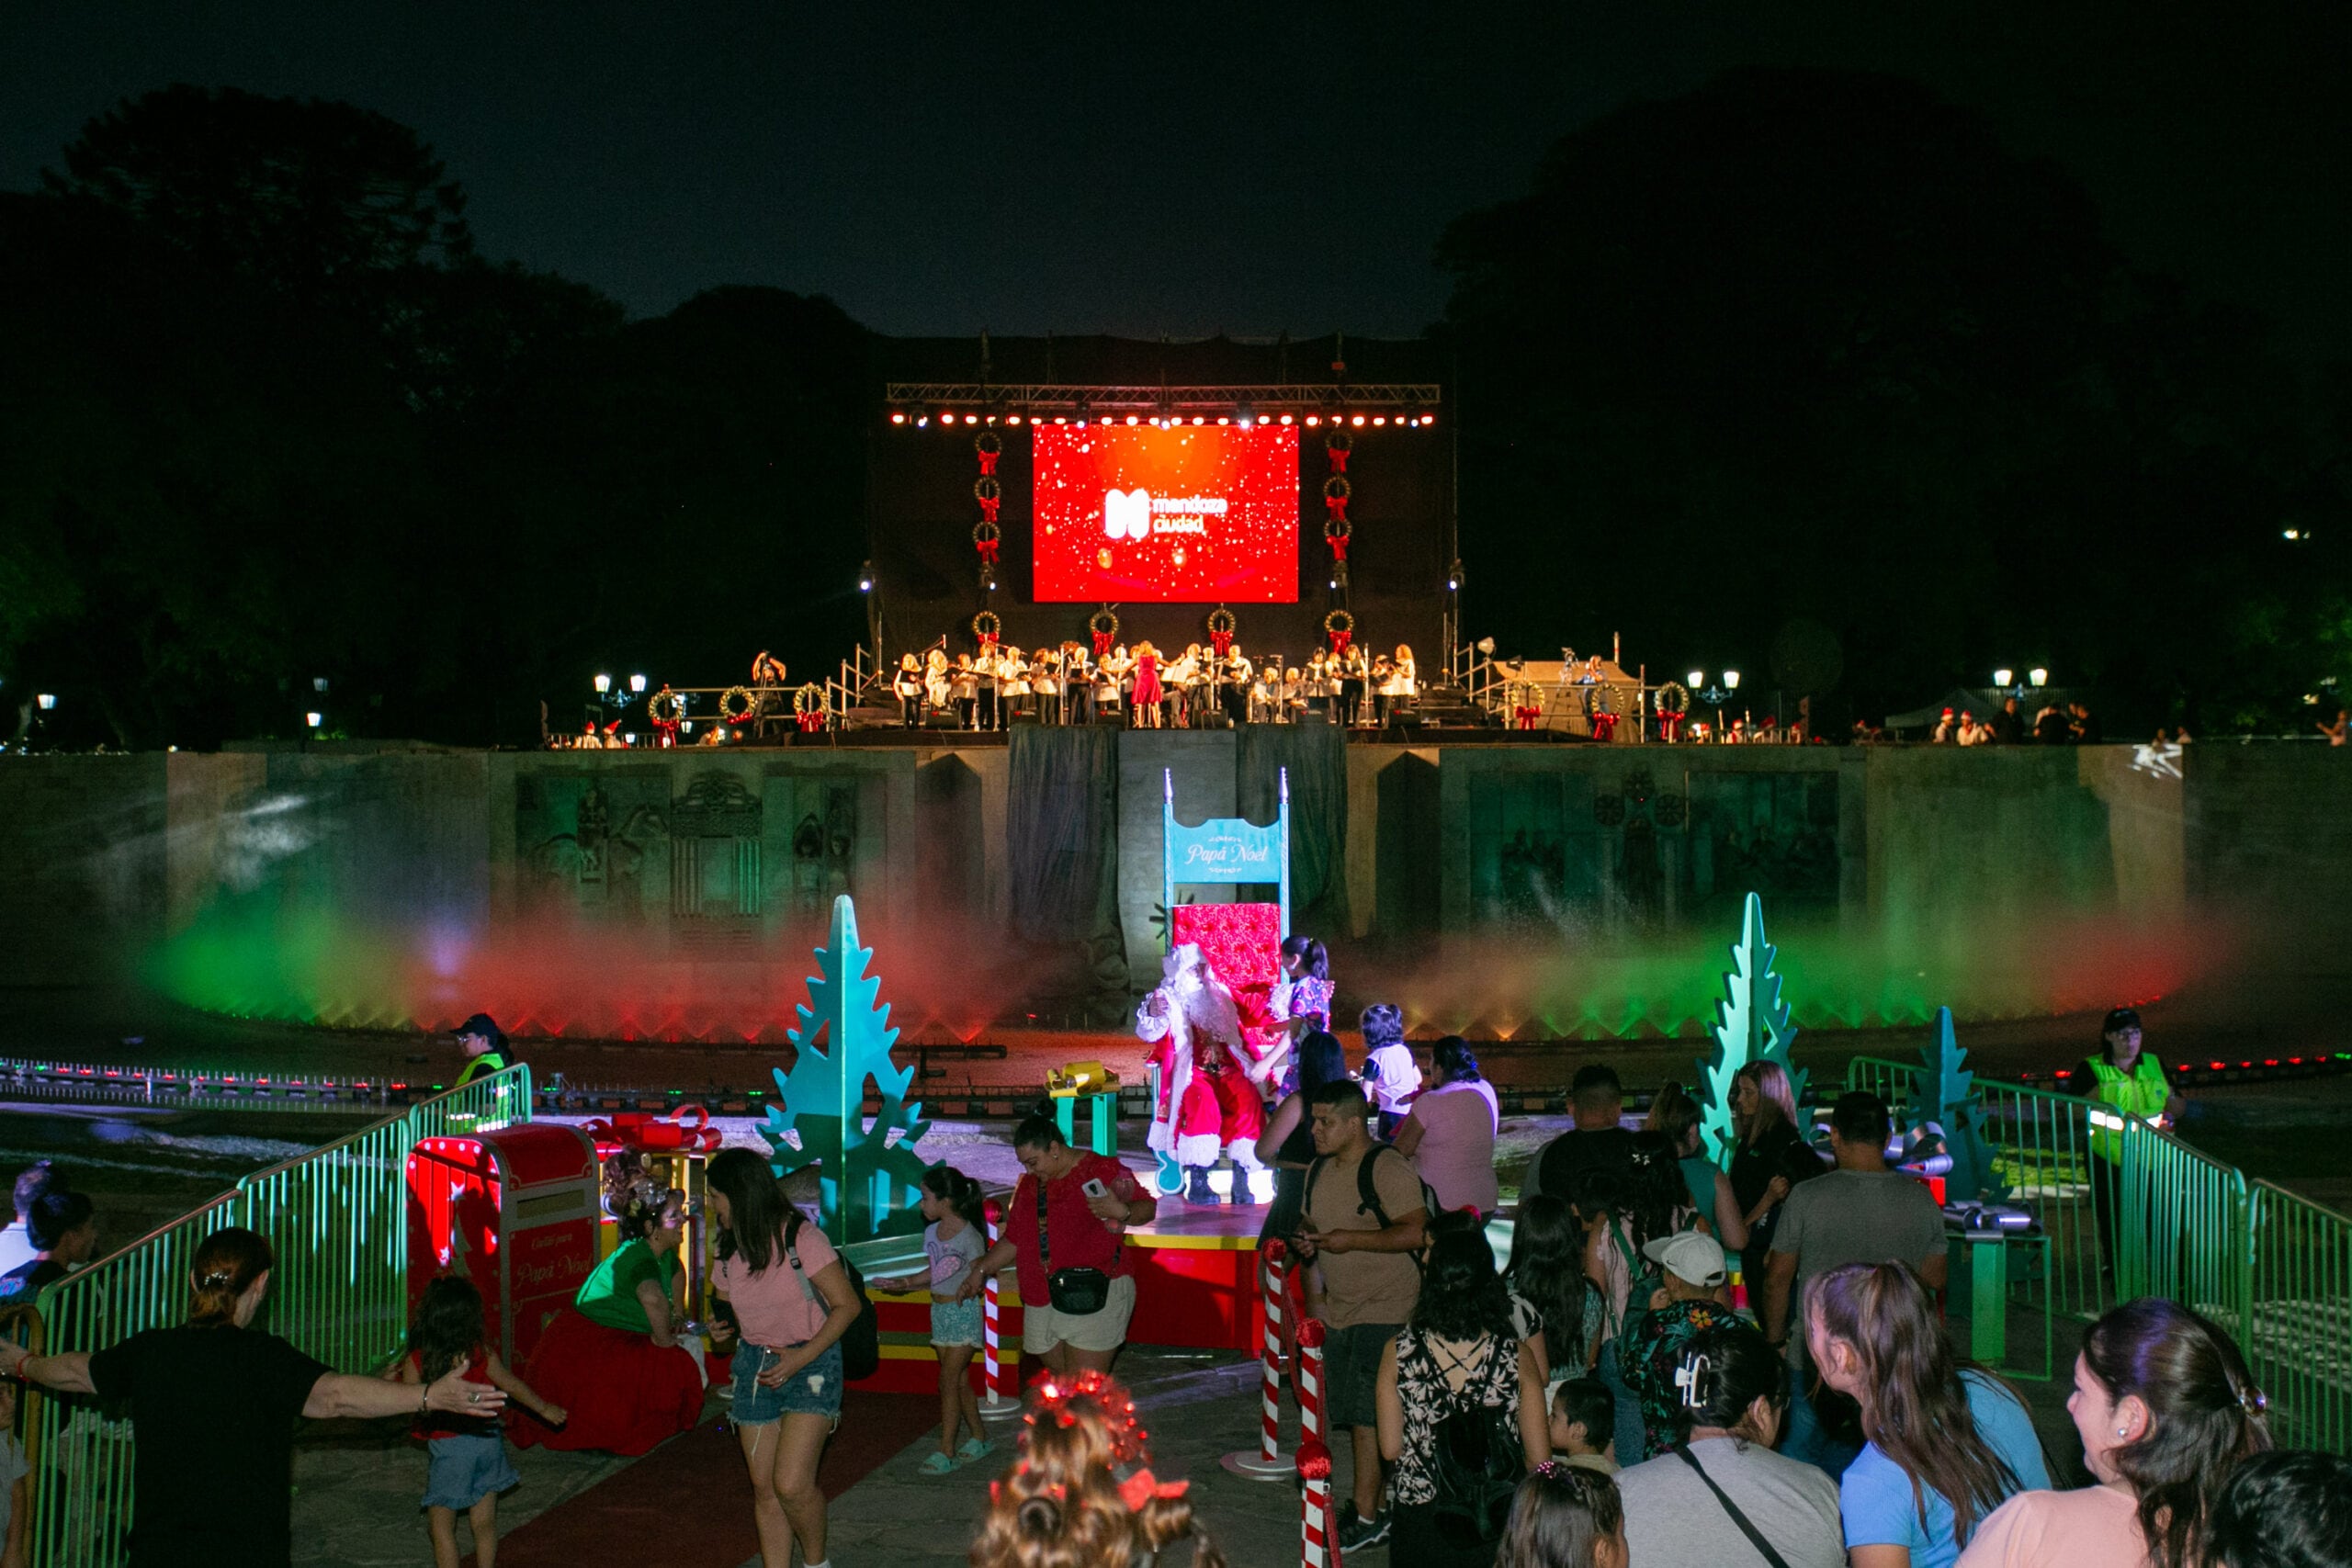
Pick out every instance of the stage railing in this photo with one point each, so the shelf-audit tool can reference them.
(338, 1220)
(2273, 1269)
(2299, 1331)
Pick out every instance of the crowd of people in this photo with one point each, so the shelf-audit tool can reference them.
(1607, 1398)
(1147, 689)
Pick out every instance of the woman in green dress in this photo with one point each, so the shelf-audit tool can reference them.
(613, 1359)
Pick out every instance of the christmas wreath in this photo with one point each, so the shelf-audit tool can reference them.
(666, 706)
(986, 536)
(1341, 628)
(1103, 628)
(989, 446)
(1673, 699)
(1221, 626)
(986, 628)
(1336, 533)
(737, 705)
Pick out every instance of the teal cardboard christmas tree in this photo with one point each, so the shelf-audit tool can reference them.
(1751, 1025)
(1949, 1093)
(872, 1175)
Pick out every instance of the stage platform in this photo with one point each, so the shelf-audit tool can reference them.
(1196, 1288)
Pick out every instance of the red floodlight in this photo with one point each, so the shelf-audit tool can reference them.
(1381, 419)
(1224, 419)
(1358, 419)
(1131, 420)
(1198, 419)
(946, 419)
(1012, 419)
(1286, 419)
(1315, 419)
(898, 416)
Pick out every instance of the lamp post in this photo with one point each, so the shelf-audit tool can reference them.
(1714, 696)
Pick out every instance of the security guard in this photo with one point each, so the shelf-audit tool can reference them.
(2132, 1081)
(485, 1047)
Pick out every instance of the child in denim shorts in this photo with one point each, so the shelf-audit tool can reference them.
(952, 1241)
(469, 1467)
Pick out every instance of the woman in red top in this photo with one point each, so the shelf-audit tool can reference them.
(1147, 692)
(1069, 1216)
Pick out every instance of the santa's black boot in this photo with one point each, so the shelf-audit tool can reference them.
(1196, 1189)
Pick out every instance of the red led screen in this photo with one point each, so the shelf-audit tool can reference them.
(1197, 513)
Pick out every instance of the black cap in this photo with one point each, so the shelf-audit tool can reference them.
(481, 1023)
(2121, 1018)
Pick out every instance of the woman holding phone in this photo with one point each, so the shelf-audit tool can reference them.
(1066, 1227)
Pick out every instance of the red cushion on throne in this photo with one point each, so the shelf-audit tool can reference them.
(1243, 943)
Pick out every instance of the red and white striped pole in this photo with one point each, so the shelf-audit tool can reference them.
(1000, 1384)
(1319, 1531)
(1269, 1462)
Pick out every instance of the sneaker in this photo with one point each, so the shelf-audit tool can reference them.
(974, 1449)
(1357, 1533)
(935, 1464)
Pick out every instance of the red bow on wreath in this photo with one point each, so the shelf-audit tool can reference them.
(1527, 717)
(987, 642)
(1339, 641)
(1102, 643)
(1337, 506)
(643, 1131)
(988, 547)
(1222, 642)
(809, 722)
(1604, 726)
(1339, 456)
(987, 461)
(1339, 543)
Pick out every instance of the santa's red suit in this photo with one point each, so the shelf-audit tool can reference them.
(1206, 1105)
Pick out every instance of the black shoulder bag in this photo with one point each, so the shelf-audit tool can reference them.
(1075, 1292)
(1755, 1537)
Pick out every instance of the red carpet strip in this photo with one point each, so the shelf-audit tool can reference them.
(688, 1503)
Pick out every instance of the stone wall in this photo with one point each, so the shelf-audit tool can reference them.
(706, 854)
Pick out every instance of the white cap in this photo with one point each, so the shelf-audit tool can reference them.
(1690, 1257)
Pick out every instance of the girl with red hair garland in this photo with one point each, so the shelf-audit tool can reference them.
(1082, 1492)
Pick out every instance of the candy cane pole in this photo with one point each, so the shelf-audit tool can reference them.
(1268, 1462)
(1000, 1385)
(1319, 1535)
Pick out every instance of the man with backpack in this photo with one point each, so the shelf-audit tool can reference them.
(1363, 1217)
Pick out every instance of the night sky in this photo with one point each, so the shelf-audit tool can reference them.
(1188, 170)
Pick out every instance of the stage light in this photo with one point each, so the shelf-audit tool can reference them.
(1358, 419)
(1106, 419)
(991, 419)
(1731, 680)
(866, 578)
(946, 419)
(1428, 419)
(1335, 585)
(1315, 419)
(1380, 419)
(1012, 419)
(1486, 645)
(1061, 419)
(898, 416)
(1224, 419)
(2001, 677)
(637, 683)
(1695, 679)
(1246, 414)
(1286, 419)
(2040, 677)
(1132, 420)
(922, 419)
(313, 719)
(48, 700)
(1200, 419)
(1453, 578)
(603, 684)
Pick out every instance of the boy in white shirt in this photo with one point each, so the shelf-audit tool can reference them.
(1390, 1074)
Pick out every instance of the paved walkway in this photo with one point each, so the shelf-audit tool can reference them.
(687, 1504)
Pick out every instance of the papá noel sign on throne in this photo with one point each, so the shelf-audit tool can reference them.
(1241, 942)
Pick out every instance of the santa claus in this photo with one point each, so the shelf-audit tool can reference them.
(1191, 1012)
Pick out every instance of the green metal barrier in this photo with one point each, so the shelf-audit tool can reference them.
(338, 1219)
(2183, 1231)
(2299, 1335)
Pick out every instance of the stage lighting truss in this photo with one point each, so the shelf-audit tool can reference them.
(1355, 405)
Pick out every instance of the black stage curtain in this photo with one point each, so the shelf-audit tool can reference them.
(1316, 756)
(1063, 827)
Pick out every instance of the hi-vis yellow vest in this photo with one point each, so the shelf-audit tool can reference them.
(2141, 1093)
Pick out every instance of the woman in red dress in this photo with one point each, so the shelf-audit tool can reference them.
(1148, 693)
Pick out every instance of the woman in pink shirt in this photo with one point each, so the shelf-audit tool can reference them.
(793, 1302)
(1449, 1132)
(2166, 1410)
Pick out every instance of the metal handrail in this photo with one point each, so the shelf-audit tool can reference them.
(338, 1219)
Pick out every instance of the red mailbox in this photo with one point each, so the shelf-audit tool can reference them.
(515, 1209)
